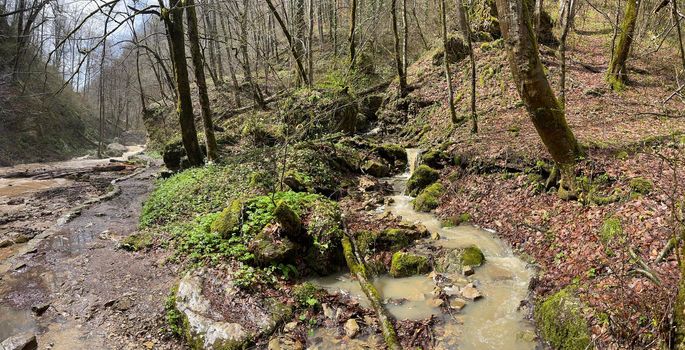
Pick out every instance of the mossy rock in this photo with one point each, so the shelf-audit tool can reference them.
(136, 242)
(392, 153)
(262, 181)
(407, 264)
(640, 185)
(457, 50)
(436, 159)
(428, 199)
(422, 177)
(229, 220)
(172, 154)
(269, 249)
(455, 220)
(370, 104)
(396, 238)
(455, 260)
(472, 256)
(611, 229)
(561, 322)
(289, 221)
(298, 181)
(376, 168)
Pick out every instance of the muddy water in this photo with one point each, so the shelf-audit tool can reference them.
(492, 322)
(20, 186)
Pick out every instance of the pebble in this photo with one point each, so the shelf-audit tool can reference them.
(351, 328)
(468, 270)
(470, 292)
(290, 326)
(437, 302)
(457, 303)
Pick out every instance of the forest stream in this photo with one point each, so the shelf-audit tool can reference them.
(494, 321)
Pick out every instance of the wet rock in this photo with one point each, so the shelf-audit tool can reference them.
(407, 264)
(351, 328)
(376, 168)
(429, 198)
(367, 184)
(201, 296)
(457, 303)
(328, 312)
(451, 291)
(470, 292)
(22, 341)
(6, 243)
(422, 177)
(40, 309)
(437, 302)
(435, 236)
(467, 270)
(274, 344)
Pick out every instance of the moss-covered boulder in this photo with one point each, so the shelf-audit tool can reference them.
(422, 177)
(345, 111)
(268, 247)
(392, 152)
(428, 199)
(172, 154)
(407, 264)
(457, 50)
(436, 159)
(298, 181)
(229, 220)
(561, 321)
(396, 238)
(455, 260)
(318, 243)
(472, 256)
(376, 168)
(640, 185)
(369, 105)
(289, 221)
(135, 242)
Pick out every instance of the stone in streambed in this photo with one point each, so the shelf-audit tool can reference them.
(470, 292)
(351, 328)
(407, 264)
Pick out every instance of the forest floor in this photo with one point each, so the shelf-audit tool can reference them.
(628, 135)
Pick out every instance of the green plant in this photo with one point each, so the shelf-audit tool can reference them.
(173, 317)
(306, 294)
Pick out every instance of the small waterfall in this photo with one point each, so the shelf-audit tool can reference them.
(413, 159)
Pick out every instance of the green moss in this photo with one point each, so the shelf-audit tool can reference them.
(422, 177)
(298, 181)
(611, 229)
(376, 168)
(287, 218)
(174, 318)
(229, 220)
(392, 152)
(455, 220)
(428, 199)
(194, 191)
(641, 185)
(263, 181)
(137, 241)
(407, 264)
(397, 238)
(472, 256)
(435, 159)
(622, 155)
(561, 322)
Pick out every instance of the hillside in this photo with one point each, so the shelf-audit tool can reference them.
(37, 124)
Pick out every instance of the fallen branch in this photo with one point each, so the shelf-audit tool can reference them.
(358, 269)
(674, 93)
(644, 270)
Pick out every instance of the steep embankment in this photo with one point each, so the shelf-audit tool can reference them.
(36, 123)
(606, 251)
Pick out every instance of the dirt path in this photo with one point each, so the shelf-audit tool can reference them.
(99, 296)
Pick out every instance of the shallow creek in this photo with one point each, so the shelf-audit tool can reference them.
(491, 322)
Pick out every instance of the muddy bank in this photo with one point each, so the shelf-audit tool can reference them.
(72, 286)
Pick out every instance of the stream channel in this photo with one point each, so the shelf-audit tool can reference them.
(493, 321)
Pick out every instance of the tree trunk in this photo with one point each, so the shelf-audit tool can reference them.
(286, 33)
(405, 35)
(465, 30)
(198, 65)
(567, 23)
(229, 61)
(448, 74)
(617, 74)
(358, 269)
(247, 69)
(184, 101)
(398, 54)
(351, 38)
(676, 20)
(299, 36)
(534, 89)
(310, 48)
